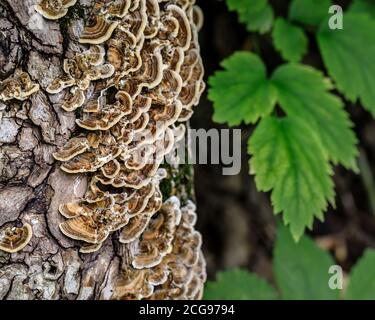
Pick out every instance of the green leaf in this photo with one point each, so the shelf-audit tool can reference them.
(362, 279)
(303, 95)
(363, 6)
(287, 158)
(239, 284)
(349, 56)
(290, 40)
(301, 269)
(241, 92)
(309, 12)
(257, 15)
(290, 157)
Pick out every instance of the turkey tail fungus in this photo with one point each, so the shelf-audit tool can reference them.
(103, 95)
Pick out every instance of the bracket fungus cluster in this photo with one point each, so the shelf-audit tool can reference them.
(166, 260)
(132, 86)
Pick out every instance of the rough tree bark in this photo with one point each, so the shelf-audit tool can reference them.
(32, 185)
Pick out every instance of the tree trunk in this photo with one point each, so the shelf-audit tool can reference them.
(33, 187)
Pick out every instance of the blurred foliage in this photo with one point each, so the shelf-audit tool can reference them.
(290, 40)
(362, 282)
(302, 129)
(239, 284)
(301, 272)
(257, 16)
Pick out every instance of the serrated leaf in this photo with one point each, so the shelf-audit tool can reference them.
(295, 166)
(363, 6)
(287, 158)
(238, 284)
(241, 92)
(348, 61)
(301, 269)
(290, 40)
(257, 15)
(362, 278)
(309, 12)
(303, 94)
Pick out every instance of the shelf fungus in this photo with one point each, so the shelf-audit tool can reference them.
(14, 239)
(138, 79)
(19, 86)
(54, 9)
(167, 262)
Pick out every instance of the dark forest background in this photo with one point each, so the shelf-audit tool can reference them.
(236, 220)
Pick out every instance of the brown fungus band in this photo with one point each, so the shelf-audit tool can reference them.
(54, 9)
(14, 239)
(140, 75)
(167, 262)
(19, 86)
